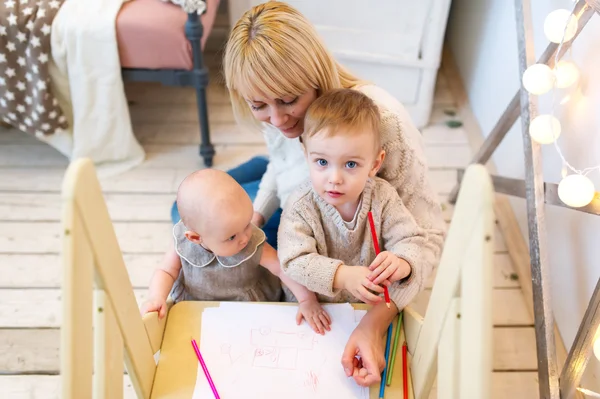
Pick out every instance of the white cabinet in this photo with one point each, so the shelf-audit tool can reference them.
(395, 44)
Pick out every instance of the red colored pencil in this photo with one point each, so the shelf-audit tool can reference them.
(206, 373)
(405, 369)
(386, 294)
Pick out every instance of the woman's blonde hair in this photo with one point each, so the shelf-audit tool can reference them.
(275, 51)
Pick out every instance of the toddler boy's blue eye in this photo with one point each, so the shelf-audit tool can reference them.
(232, 238)
(351, 164)
(321, 162)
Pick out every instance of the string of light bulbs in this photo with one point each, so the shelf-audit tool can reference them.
(575, 190)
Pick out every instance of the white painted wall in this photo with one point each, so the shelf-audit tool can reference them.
(482, 37)
(396, 45)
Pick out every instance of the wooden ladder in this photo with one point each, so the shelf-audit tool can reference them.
(538, 193)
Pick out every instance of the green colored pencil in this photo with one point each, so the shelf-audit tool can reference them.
(390, 366)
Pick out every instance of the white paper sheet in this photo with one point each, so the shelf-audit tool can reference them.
(256, 351)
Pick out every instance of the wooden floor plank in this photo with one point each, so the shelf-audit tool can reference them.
(514, 349)
(441, 114)
(161, 156)
(223, 128)
(182, 113)
(44, 270)
(41, 308)
(442, 180)
(186, 156)
(513, 385)
(165, 180)
(131, 206)
(133, 237)
(504, 274)
(35, 350)
(440, 134)
(121, 207)
(29, 350)
(157, 156)
(44, 237)
(221, 132)
(443, 96)
(38, 155)
(37, 308)
(182, 156)
(50, 180)
(224, 131)
(44, 387)
(172, 96)
(508, 307)
(14, 136)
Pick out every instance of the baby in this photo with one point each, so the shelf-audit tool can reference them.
(219, 255)
(324, 238)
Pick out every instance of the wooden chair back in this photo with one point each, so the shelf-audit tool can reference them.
(101, 320)
(454, 339)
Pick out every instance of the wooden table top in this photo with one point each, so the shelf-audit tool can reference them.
(178, 366)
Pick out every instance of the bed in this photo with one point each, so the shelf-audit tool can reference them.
(166, 46)
(63, 63)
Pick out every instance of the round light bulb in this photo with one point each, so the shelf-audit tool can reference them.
(566, 74)
(597, 348)
(576, 191)
(544, 129)
(538, 79)
(554, 26)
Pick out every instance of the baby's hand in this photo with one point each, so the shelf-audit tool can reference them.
(388, 266)
(315, 315)
(154, 305)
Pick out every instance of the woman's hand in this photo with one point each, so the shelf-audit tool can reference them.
(363, 358)
(258, 220)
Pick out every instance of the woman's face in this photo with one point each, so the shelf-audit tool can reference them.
(286, 113)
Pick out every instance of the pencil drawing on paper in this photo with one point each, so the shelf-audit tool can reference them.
(279, 349)
(226, 350)
(312, 380)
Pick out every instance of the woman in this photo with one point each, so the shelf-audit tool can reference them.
(275, 65)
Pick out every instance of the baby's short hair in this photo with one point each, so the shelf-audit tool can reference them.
(345, 111)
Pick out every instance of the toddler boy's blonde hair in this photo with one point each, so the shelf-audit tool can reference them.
(342, 111)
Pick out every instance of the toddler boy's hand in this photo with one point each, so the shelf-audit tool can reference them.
(314, 314)
(355, 280)
(154, 305)
(388, 266)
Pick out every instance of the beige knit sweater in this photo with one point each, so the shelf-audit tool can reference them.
(314, 240)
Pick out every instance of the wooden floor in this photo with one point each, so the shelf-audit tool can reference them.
(139, 202)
